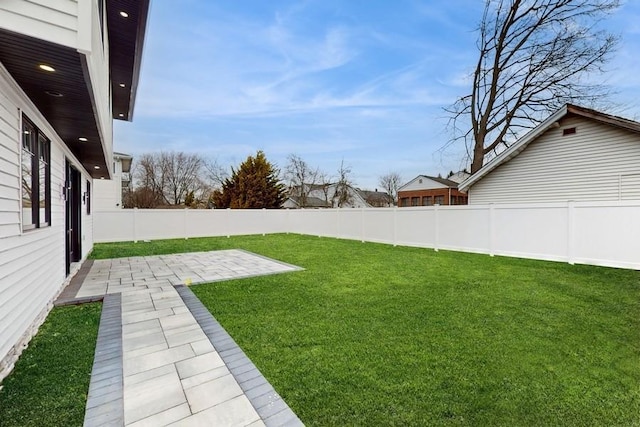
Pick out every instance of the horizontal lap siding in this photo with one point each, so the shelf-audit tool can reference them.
(87, 221)
(630, 186)
(52, 20)
(32, 264)
(9, 169)
(104, 194)
(32, 267)
(589, 165)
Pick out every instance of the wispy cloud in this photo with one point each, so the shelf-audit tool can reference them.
(326, 79)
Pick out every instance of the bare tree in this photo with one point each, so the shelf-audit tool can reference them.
(150, 175)
(215, 173)
(390, 183)
(184, 174)
(342, 195)
(167, 177)
(534, 56)
(324, 183)
(142, 197)
(301, 178)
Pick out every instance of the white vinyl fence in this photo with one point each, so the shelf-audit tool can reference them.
(598, 233)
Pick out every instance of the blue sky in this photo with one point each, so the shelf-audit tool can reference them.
(364, 81)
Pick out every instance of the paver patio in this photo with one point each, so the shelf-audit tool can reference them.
(161, 358)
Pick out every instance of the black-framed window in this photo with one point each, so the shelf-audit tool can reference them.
(36, 177)
(88, 197)
(101, 18)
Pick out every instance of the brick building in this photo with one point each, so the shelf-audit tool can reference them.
(426, 190)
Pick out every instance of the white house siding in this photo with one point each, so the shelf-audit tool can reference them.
(9, 169)
(108, 192)
(76, 25)
(87, 221)
(53, 20)
(354, 201)
(630, 186)
(94, 45)
(597, 163)
(105, 195)
(32, 264)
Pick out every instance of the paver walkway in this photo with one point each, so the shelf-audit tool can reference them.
(161, 358)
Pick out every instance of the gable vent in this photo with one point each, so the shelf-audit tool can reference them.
(568, 131)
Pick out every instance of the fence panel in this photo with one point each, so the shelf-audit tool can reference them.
(416, 227)
(154, 224)
(539, 232)
(378, 225)
(205, 223)
(350, 223)
(464, 228)
(606, 236)
(113, 226)
(600, 233)
(317, 222)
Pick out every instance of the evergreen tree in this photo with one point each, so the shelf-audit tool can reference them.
(254, 185)
(190, 199)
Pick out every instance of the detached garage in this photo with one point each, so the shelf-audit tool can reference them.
(576, 154)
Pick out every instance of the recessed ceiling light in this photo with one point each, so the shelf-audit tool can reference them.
(96, 167)
(124, 14)
(82, 139)
(53, 93)
(102, 177)
(121, 115)
(122, 85)
(46, 67)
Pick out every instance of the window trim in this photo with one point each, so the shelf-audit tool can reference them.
(41, 152)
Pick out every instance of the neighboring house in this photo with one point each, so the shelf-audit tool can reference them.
(61, 86)
(426, 190)
(376, 199)
(295, 202)
(576, 154)
(107, 193)
(458, 176)
(329, 194)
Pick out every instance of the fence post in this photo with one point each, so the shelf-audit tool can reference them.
(228, 223)
(135, 225)
(395, 226)
(491, 230)
(362, 224)
(186, 221)
(570, 231)
(264, 220)
(436, 225)
(338, 222)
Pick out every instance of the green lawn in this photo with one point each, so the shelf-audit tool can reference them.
(373, 334)
(50, 382)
